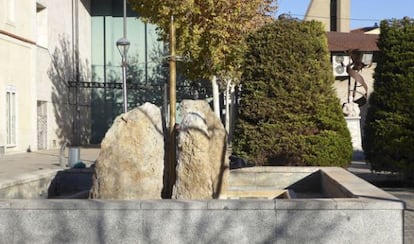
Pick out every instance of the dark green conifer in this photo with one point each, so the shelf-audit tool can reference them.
(289, 113)
(389, 128)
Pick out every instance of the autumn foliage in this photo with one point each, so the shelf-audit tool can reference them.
(211, 32)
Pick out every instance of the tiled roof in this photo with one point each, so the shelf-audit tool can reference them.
(342, 41)
(365, 29)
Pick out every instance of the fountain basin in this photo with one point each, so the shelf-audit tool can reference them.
(330, 205)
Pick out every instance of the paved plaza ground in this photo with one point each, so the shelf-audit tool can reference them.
(17, 166)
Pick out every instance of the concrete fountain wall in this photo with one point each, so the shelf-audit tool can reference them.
(31, 186)
(329, 205)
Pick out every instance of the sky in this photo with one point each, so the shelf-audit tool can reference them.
(364, 13)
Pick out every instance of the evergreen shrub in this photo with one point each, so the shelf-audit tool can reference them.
(289, 113)
(389, 128)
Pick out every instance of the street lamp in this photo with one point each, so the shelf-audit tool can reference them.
(123, 45)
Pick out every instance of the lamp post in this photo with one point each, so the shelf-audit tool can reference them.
(123, 44)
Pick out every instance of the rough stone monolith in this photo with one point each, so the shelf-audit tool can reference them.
(131, 161)
(202, 165)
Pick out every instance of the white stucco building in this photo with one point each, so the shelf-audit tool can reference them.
(60, 71)
(37, 43)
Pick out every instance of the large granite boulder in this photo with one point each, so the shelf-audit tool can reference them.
(202, 166)
(131, 162)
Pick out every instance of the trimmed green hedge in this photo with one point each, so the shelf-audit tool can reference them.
(389, 129)
(289, 113)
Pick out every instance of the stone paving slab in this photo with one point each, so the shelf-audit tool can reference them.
(15, 166)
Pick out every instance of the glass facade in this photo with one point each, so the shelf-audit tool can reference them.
(146, 69)
(145, 77)
(143, 55)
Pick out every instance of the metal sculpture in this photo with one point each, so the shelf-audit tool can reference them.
(351, 108)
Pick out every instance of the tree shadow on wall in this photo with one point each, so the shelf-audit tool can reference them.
(63, 72)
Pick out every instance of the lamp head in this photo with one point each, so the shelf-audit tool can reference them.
(123, 45)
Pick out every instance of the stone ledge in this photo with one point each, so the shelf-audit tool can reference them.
(166, 204)
(26, 178)
(213, 221)
(369, 216)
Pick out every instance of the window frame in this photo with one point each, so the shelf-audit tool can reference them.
(11, 116)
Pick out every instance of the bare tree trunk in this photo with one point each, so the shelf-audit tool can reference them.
(227, 108)
(232, 113)
(216, 100)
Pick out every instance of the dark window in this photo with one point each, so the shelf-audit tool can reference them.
(334, 15)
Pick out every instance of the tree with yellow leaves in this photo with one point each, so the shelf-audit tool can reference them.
(211, 32)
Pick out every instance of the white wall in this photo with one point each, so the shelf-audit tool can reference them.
(27, 42)
(61, 40)
(17, 70)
